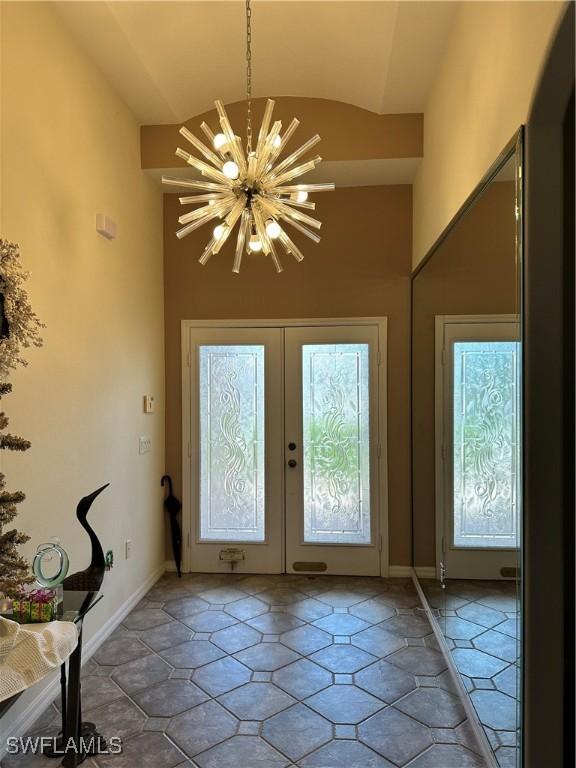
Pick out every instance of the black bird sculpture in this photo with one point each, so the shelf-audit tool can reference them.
(173, 506)
(90, 579)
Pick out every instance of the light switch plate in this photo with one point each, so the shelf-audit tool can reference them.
(148, 403)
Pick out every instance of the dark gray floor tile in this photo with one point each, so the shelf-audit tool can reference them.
(181, 607)
(507, 757)
(222, 595)
(209, 621)
(309, 609)
(99, 690)
(169, 698)
(434, 707)
(242, 751)
(481, 614)
(282, 596)
(306, 639)
(341, 598)
(407, 626)
(236, 638)
(507, 681)
(508, 627)
(166, 636)
(297, 731)
(149, 750)
(341, 624)
(506, 603)
(460, 629)
(267, 657)
(119, 650)
(222, 676)
(373, 611)
(395, 736)
(399, 599)
(474, 663)
(345, 754)
(386, 681)
(419, 661)
(378, 641)
(141, 673)
(344, 659)
(201, 728)
(194, 653)
(448, 756)
(496, 710)
(346, 704)
(146, 618)
(302, 678)
(275, 623)
(247, 608)
(497, 644)
(120, 718)
(256, 701)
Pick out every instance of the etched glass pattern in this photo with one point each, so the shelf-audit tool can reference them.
(232, 443)
(336, 443)
(485, 457)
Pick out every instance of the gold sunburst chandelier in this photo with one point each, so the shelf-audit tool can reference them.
(254, 188)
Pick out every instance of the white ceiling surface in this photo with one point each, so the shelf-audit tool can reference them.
(169, 59)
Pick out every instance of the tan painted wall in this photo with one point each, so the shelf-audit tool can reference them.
(473, 272)
(348, 132)
(360, 268)
(70, 148)
(481, 96)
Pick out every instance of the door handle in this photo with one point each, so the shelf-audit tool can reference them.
(292, 463)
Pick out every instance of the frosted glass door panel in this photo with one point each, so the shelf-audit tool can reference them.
(485, 440)
(231, 388)
(336, 443)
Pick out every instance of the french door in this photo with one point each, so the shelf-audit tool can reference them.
(478, 445)
(284, 450)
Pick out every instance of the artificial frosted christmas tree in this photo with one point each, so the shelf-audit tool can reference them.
(19, 328)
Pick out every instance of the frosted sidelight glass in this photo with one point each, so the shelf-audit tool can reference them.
(336, 443)
(232, 443)
(485, 456)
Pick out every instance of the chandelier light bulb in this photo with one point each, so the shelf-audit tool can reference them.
(273, 229)
(255, 244)
(230, 170)
(218, 231)
(220, 141)
(300, 197)
(277, 142)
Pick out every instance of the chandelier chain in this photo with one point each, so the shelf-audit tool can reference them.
(248, 76)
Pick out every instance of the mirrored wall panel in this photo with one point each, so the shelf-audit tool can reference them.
(467, 449)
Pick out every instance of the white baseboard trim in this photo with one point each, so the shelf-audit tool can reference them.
(24, 721)
(405, 571)
(394, 571)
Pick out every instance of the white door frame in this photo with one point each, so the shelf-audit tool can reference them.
(441, 411)
(382, 399)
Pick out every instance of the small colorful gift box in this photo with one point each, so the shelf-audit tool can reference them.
(36, 606)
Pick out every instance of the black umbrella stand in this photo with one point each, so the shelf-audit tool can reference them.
(173, 506)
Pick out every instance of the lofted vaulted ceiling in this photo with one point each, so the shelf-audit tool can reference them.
(170, 60)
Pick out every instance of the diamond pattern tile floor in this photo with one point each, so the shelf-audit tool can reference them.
(220, 671)
(480, 623)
